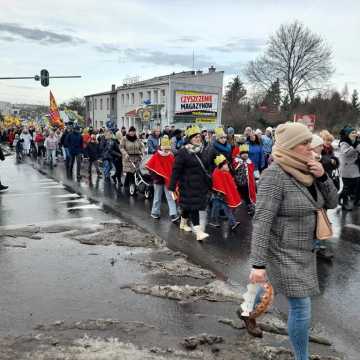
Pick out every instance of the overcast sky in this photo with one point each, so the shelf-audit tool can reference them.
(107, 41)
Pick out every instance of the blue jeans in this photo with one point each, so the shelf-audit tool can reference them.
(107, 168)
(158, 192)
(299, 325)
(219, 205)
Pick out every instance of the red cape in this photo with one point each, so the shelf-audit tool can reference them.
(161, 165)
(224, 183)
(251, 179)
(235, 152)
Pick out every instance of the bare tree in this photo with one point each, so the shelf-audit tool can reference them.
(300, 60)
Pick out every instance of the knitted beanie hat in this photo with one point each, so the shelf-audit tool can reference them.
(291, 134)
(316, 141)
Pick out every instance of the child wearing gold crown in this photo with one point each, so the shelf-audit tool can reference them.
(226, 196)
(160, 166)
(244, 177)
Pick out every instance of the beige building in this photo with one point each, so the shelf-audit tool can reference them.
(100, 108)
(189, 97)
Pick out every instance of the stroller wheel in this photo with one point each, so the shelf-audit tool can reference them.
(132, 189)
(148, 193)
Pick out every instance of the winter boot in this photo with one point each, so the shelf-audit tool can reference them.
(200, 235)
(184, 226)
(3, 187)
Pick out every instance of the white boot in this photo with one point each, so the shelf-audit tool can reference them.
(200, 235)
(184, 226)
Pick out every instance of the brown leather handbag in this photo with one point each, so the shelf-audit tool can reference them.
(323, 225)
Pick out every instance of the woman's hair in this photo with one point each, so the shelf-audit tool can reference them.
(257, 140)
(326, 136)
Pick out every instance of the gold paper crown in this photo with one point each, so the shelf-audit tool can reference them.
(219, 132)
(243, 148)
(165, 142)
(191, 131)
(219, 159)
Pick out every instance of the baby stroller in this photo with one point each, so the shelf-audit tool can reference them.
(142, 180)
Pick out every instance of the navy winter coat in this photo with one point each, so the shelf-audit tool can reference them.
(75, 143)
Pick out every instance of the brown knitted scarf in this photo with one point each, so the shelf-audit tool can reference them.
(293, 164)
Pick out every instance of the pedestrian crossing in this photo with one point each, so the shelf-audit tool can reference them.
(33, 198)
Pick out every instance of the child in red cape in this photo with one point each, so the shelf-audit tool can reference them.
(160, 166)
(244, 178)
(226, 196)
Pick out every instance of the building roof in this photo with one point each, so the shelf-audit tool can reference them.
(102, 93)
(165, 79)
(157, 80)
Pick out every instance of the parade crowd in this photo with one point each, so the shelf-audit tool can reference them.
(283, 177)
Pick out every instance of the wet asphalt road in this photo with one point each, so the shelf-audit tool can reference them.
(33, 198)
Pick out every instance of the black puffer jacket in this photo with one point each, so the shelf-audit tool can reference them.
(193, 183)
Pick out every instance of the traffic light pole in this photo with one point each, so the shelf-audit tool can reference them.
(35, 77)
(38, 78)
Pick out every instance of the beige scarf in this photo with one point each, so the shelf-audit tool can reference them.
(294, 164)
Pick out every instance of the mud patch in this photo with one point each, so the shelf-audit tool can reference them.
(216, 291)
(180, 268)
(122, 234)
(88, 348)
(98, 324)
(280, 353)
(27, 232)
(192, 342)
(276, 326)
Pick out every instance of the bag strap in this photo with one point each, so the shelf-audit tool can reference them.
(202, 166)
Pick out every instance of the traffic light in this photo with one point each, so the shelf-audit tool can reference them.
(44, 76)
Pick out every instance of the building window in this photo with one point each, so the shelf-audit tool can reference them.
(163, 96)
(141, 98)
(122, 99)
(127, 99)
(132, 98)
(149, 96)
(95, 104)
(107, 103)
(101, 123)
(112, 104)
(101, 104)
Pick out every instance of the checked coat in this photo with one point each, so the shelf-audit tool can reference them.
(284, 230)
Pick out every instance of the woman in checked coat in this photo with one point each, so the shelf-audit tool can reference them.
(290, 191)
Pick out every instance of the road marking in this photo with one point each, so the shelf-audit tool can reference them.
(27, 194)
(53, 187)
(46, 180)
(352, 226)
(66, 196)
(47, 183)
(85, 207)
(84, 201)
(85, 219)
